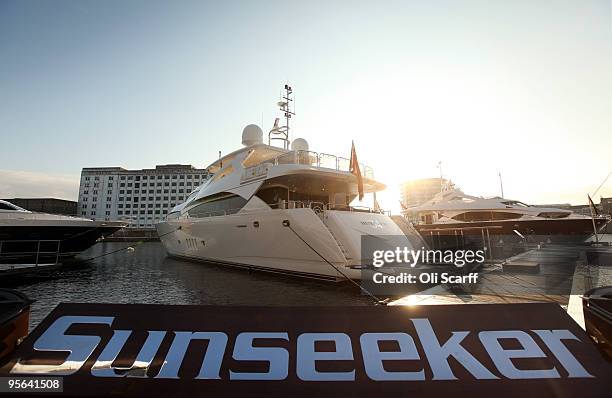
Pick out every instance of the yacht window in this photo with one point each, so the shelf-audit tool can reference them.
(554, 214)
(6, 206)
(486, 216)
(515, 203)
(218, 205)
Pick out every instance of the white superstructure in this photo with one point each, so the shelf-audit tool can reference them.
(281, 209)
(139, 197)
(452, 206)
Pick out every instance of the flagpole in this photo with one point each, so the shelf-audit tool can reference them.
(591, 206)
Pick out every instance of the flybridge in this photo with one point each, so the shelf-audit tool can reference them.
(350, 350)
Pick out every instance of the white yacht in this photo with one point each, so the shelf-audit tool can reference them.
(25, 235)
(452, 213)
(280, 209)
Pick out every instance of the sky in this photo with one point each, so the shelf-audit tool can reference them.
(521, 88)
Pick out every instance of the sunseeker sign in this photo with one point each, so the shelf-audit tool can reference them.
(480, 350)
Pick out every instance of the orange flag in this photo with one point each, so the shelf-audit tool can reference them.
(354, 168)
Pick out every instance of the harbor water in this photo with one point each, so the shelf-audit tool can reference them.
(148, 276)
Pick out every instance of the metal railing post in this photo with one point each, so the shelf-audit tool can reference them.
(57, 253)
(37, 253)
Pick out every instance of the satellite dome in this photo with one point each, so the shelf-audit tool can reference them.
(252, 135)
(299, 144)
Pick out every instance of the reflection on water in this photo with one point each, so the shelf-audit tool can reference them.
(148, 276)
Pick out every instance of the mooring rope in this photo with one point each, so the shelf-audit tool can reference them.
(377, 300)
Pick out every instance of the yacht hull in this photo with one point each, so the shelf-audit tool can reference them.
(19, 239)
(454, 235)
(294, 241)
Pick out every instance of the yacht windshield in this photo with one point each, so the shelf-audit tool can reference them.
(515, 203)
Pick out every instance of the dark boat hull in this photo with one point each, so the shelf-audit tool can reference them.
(467, 234)
(14, 320)
(597, 308)
(49, 241)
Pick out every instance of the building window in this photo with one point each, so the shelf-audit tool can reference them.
(108, 213)
(93, 213)
(94, 199)
(120, 213)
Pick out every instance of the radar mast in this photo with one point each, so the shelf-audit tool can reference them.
(281, 133)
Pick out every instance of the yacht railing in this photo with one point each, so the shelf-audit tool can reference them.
(316, 206)
(30, 252)
(309, 158)
(320, 206)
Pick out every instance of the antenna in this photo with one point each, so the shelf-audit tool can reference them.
(441, 183)
(282, 132)
(501, 184)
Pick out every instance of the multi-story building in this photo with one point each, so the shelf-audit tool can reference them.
(140, 197)
(417, 192)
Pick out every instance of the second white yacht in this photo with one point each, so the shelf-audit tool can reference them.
(283, 210)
